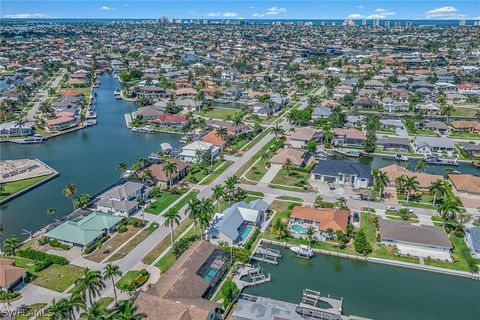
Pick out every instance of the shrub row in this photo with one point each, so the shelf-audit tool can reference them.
(43, 257)
(53, 243)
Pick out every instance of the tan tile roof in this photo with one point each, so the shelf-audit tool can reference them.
(295, 156)
(465, 182)
(351, 133)
(9, 273)
(159, 173)
(327, 217)
(394, 171)
(304, 133)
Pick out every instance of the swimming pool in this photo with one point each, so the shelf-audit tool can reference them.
(298, 228)
(211, 273)
(245, 232)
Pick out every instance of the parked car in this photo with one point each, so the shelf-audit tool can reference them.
(391, 208)
(356, 217)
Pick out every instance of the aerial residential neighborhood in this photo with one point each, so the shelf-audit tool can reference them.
(226, 165)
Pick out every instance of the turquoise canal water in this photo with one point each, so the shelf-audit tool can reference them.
(373, 290)
(86, 157)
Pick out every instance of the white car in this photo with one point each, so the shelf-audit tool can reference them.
(391, 208)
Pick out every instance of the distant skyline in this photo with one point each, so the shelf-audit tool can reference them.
(238, 9)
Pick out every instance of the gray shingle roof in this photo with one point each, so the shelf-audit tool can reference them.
(333, 167)
(406, 232)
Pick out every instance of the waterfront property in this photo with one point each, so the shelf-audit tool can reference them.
(10, 275)
(434, 145)
(296, 157)
(182, 292)
(342, 172)
(299, 137)
(192, 152)
(371, 290)
(86, 231)
(14, 128)
(321, 220)
(473, 241)
(123, 200)
(235, 224)
(420, 241)
(348, 137)
(164, 179)
(394, 171)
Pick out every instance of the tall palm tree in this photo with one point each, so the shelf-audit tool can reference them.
(448, 208)
(126, 310)
(76, 302)
(95, 312)
(218, 194)
(52, 212)
(381, 180)
(437, 187)
(230, 186)
(90, 283)
(206, 213)
(122, 167)
(222, 132)
(288, 166)
(277, 130)
(400, 182)
(328, 138)
(69, 191)
(411, 184)
(170, 168)
(10, 245)
(171, 218)
(193, 210)
(57, 310)
(110, 272)
(341, 203)
(309, 234)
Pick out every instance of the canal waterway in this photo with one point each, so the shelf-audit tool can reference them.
(372, 290)
(86, 157)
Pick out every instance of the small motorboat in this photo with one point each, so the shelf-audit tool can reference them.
(118, 94)
(400, 157)
(476, 164)
(303, 251)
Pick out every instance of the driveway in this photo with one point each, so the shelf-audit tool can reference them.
(32, 293)
(43, 95)
(271, 173)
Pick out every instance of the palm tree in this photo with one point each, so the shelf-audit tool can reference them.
(76, 302)
(218, 194)
(52, 212)
(171, 218)
(193, 210)
(95, 312)
(69, 192)
(222, 132)
(110, 272)
(328, 138)
(57, 310)
(90, 283)
(10, 245)
(122, 167)
(277, 130)
(420, 165)
(148, 175)
(448, 208)
(170, 168)
(437, 187)
(206, 212)
(341, 203)
(126, 310)
(400, 182)
(288, 166)
(309, 234)
(230, 186)
(411, 184)
(381, 180)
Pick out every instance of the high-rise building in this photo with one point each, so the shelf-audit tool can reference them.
(376, 22)
(364, 22)
(461, 22)
(334, 23)
(348, 22)
(387, 24)
(476, 23)
(408, 23)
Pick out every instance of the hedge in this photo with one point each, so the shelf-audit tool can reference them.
(43, 256)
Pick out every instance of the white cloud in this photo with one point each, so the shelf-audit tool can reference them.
(258, 15)
(27, 16)
(229, 14)
(355, 16)
(214, 14)
(105, 8)
(444, 13)
(360, 6)
(275, 11)
(381, 14)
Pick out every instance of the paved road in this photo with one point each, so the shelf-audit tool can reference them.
(42, 95)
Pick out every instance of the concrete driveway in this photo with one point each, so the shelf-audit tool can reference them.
(34, 294)
(271, 173)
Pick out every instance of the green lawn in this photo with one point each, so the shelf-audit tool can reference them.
(460, 255)
(219, 113)
(292, 179)
(197, 173)
(10, 188)
(438, 221)
(465, 135)
(166, 262)
(58, 278)
(185, 200)
(464, 112)
(162, 202)
(135, 241)
(256, 139)
(136, 277)
(217, 172)
(255, 158)
(31, 311)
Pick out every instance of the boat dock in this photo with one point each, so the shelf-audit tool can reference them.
(255, 276)
(266, 255)
(309, 306)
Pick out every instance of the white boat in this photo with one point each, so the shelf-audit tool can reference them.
(302, 251)
(118, 94)
(36, 138)
(127, 174)
(400, 157)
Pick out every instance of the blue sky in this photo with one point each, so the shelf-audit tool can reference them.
(237, 9)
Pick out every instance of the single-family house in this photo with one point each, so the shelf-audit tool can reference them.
(342, 172)
(348, 137)
(10, 275)
(472, 149)
(436, 126)
(434, 145)
(296, 157)
(163, 179)
(171, 120)
(394, 171)
(466, 125)
(420, 241)
(86, 231)
(394, 144)
(299, 137)
(148, 112)
(321, 112)
(123, 200)
(192, 152)
(472, 237)
(235, 224)
(321, 219)
(14, 128)
(465, 185)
